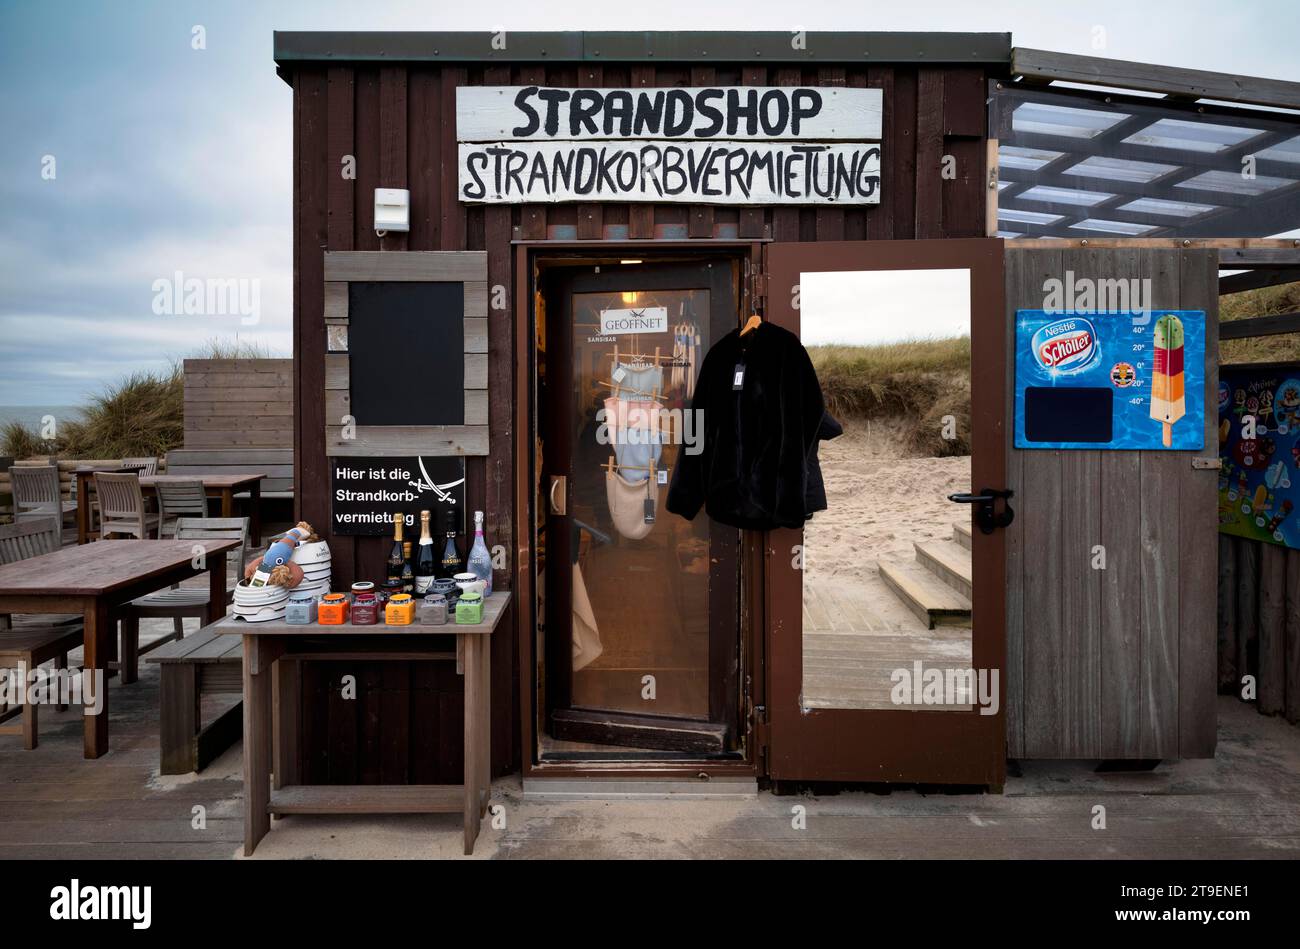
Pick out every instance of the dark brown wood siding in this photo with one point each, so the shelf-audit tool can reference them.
(398, 122)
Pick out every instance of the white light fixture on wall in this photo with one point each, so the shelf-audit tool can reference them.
(392, 210)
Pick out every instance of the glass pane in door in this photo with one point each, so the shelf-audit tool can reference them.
(641, 576)
(887, 567)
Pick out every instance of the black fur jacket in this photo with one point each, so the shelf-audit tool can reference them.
(751, 469)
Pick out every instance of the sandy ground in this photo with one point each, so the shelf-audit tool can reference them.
(879, 502)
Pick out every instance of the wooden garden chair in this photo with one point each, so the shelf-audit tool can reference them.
(121, 506)
(31, 645)
(177, 499)
(36, 493)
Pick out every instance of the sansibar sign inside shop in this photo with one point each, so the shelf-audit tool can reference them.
(714, 145)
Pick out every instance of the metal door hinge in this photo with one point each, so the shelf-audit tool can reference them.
(1206, 464)
(760, 728)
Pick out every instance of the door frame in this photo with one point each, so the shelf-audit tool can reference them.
(888, 745)
(752, 601)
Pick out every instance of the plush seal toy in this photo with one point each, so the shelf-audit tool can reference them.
(276, 566)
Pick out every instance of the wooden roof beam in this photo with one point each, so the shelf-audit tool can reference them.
(1171, 80)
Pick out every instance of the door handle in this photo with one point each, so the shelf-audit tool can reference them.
(986, 514)
(560, 506)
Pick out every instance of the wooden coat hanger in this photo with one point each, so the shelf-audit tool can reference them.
(751, 324)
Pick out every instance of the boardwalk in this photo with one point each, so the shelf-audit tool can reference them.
(851, 646)
(1245, 803)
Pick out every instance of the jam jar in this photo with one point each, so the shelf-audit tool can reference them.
(365, 609)
(400, 610)
(433, 610)
(301, 609)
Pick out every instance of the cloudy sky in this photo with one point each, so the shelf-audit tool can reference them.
(169, 159)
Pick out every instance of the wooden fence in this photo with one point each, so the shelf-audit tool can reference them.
(238, 403)
(1259, 623)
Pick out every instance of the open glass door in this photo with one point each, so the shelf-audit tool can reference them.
(640, 607)
(885, 634)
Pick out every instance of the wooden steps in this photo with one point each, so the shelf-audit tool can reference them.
(933, 601)
(948, 561)
(937, 587)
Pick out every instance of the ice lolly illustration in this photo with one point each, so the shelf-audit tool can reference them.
(1261, 493)
(1279, 517)
(1167, 403)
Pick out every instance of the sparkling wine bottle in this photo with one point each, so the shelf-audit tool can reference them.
(426, 561)
(480, 561)
(452, 562)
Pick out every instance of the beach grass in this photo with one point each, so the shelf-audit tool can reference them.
(923, 384)
(1268, 301)
(140, 416)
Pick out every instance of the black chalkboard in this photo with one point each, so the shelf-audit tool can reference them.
(1068, 414)
(406, 343)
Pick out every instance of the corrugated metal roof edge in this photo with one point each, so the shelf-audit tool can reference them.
(648, 47)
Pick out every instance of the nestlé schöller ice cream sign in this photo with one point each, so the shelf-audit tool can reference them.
(710, 145)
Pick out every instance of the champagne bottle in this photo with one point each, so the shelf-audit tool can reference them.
(408, 572)
(452, 562)
(480, 561)
(426, 561)
(395, 559)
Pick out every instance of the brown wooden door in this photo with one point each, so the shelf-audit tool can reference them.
(851, 656)
(642, 632)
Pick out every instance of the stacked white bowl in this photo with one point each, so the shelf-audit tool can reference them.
(315, 562)
(259, 604)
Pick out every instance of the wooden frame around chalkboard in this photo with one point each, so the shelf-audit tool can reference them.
(465, 267)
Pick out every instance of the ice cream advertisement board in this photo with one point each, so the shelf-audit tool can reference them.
(1110, 380)
(1259, 452)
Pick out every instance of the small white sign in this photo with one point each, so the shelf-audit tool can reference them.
(754, 113)
(729, 172)
(648, 319)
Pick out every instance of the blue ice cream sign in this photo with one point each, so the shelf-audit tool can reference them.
(1110, 380)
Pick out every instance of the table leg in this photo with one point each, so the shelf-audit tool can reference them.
(473, 705)
(485, 719)
(255, 515)
(83, 510)
(98, 641)
(285, 702)
(258, 672)
(216, 586)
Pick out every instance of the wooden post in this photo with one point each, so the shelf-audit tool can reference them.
(1228, 678)
(1247, 618)
(1272, 629)
(1292, 657)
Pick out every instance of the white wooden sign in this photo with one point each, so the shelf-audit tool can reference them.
(717, 172)
(647, 319)
(746, 113)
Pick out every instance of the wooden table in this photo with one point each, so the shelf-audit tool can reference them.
(223, 486)
(271, 650)
(96, 579)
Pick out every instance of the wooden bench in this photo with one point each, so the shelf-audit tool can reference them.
(275, 463)
(27, 647)
(204, 663)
